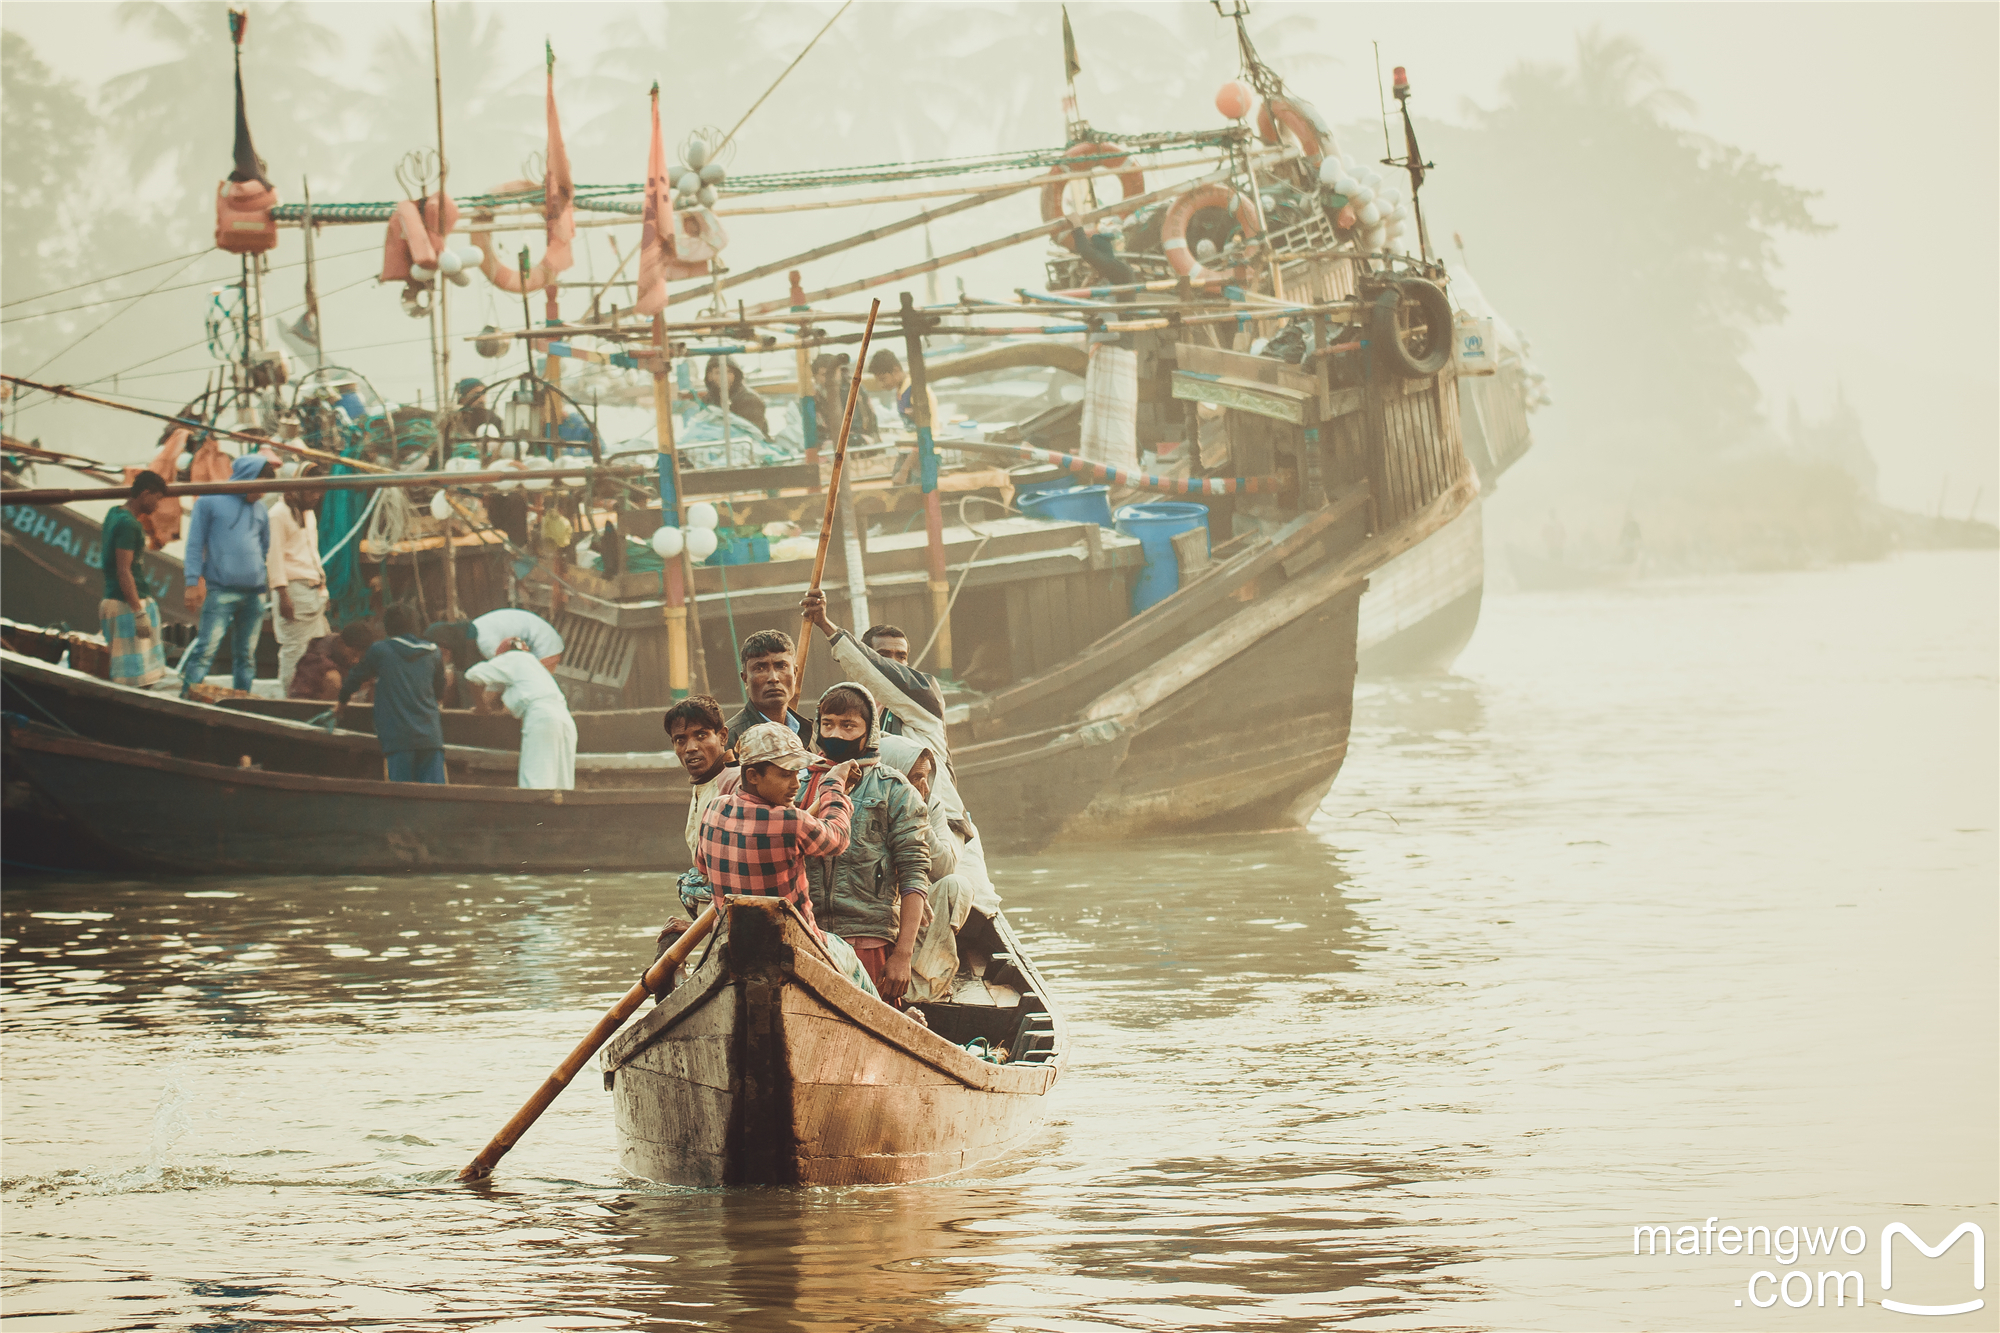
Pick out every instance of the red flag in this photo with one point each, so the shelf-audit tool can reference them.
(559, 192)
(656, 232)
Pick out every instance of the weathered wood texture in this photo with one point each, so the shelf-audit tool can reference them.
(766, 1067)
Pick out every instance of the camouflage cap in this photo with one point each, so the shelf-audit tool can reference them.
(769, 743)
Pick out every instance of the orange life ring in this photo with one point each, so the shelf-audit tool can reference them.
(1133, 181)
(1173, 230)
(1307, 127)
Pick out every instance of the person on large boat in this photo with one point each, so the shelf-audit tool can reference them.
(298, 580)
(863, 893)
(830, 377)
(409, 678)
(744, 401)
(768, 683)
(228, 542)
(327, 661)
(918, 705)
(513, 679)
(755, 840)
(128, 617)
(472, 412)
(470, 642)
(163, 524)
(888, 372)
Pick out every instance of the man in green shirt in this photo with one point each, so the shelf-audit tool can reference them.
(128, 617)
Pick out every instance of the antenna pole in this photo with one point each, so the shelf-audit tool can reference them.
(447, 407)
(1382, 101)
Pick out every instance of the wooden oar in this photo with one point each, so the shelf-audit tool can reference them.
(832, 495)
(482, 1166)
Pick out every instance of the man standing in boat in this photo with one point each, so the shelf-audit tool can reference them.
(128, 618)
(298, 580)
(228, 545)
(769, 683)
(409, 677)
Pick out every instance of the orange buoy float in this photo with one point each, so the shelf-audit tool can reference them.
(244, 224)
(1173, 230)
(1132, 180)
(1233, 100)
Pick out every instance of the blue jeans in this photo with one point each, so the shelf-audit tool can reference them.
(415, 766)
(240, 611)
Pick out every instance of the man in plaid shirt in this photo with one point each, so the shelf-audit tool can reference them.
(755, 841)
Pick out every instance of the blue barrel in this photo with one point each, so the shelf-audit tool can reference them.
(1156, 525)
(1038, 478)
(1072, 504)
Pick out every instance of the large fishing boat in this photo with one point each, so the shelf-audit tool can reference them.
(1266, 414)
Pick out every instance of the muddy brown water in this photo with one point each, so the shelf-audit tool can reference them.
(1675, 903)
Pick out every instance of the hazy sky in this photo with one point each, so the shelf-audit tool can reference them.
(1891, 111)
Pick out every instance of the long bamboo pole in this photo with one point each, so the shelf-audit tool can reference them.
(280, 485)
(674, 573)
(927, 463)
(833, 494)
(440, 301)
(606, 1027)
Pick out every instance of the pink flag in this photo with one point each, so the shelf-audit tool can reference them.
(657, 230)
(559, 192)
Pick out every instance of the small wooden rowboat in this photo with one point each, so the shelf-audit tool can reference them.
(766, 1066)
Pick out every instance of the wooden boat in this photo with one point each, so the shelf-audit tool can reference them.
(766, 1066)
(71, 802)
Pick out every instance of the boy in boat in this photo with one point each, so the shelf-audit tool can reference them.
(755, 840)
(129, 619)
(768, 684)
(863, 893)
(409, 676)
(327, 661)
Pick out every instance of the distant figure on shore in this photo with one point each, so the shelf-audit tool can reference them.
(128, 617)
(1555, 539)
(327, 661)
(1629, 541)
(225, 561)
(513, 679)
(409, 679)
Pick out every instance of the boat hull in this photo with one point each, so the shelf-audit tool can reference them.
(765, 1066)
(84, 804)
(1422, 607)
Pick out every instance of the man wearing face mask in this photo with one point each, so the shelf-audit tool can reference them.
(865, 894)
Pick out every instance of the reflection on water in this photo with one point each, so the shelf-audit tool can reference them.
(1655, 911)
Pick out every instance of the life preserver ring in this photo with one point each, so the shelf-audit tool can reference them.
(1173, 231)
(243, 221)
(1285, 115)
(1130, 178)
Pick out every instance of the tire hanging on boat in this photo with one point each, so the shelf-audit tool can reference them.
(1386, 328)
(1173, 231)
(1130, 179)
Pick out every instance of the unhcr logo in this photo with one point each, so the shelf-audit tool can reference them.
(1814, 1285)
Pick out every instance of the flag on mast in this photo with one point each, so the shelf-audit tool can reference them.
(558, 191)
(656, 229)
(1071, 65)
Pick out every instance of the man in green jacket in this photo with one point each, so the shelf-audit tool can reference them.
(864, 894)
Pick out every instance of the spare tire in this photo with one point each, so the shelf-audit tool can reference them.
(1411, 327)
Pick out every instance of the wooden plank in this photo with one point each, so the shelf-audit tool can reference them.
(1265, 400)
(1041, 627)
(1243, 366)
(1339, 403)
(1020, 648)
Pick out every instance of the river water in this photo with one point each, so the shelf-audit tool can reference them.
(1676, 902)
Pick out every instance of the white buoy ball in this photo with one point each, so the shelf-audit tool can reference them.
(667, 543)
(419, 273)
(462, 278)
(1371, 178)
(457, 464)
(1204, 249)
(440, 506)
(1388, 196)
(1402, 213)
(707, 195)
(1360, 195)
(713, 174)
(688, 182)
(695, 151)
(537, 463)
(701, 542)
(506, 465)
(1346, 184)
(1377, 238)
(184, 462)
(1330, 172)
(1369, 215)
(702, 515)
(449, 262)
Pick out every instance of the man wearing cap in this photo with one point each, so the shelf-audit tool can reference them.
(754, 841)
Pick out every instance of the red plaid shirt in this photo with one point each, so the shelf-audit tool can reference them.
(748, 846)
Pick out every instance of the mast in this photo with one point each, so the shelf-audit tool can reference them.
(447, 406)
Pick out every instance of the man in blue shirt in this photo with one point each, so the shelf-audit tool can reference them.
(228, 539)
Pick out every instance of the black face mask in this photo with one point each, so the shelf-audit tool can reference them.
(839, 750)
